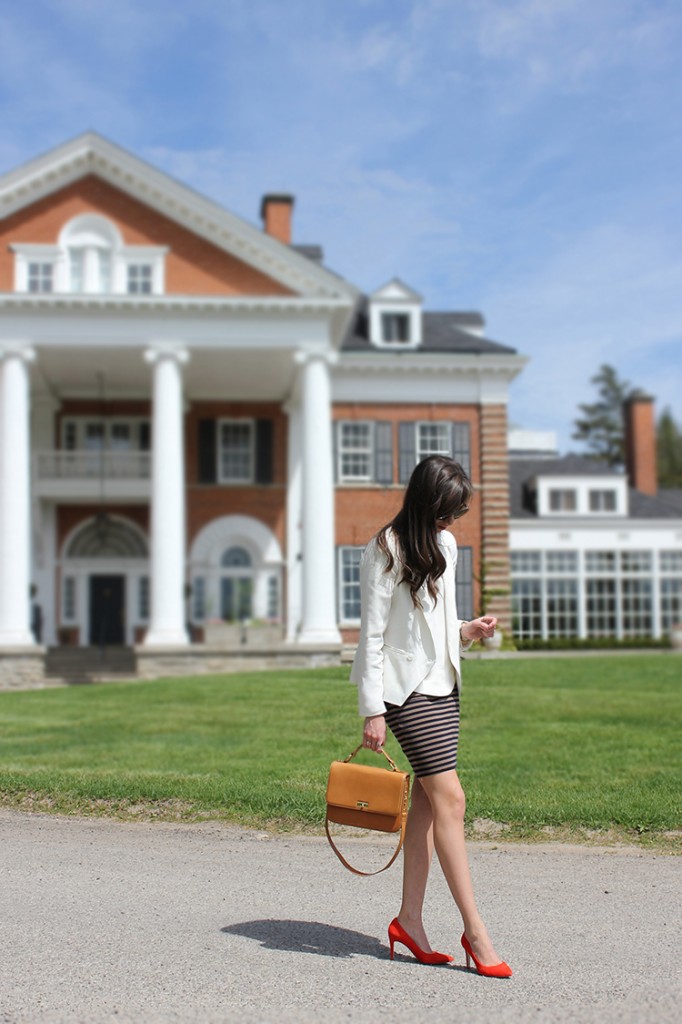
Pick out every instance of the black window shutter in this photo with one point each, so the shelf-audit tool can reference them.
(206, 461)
(145, 435)
(408, 450)
(383, 453)
(264, 446)
(461, 446)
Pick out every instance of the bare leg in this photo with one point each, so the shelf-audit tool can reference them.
(417, 854)
(448, 804)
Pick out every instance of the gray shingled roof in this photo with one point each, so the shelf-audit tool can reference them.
(441, 332)
(667, 504)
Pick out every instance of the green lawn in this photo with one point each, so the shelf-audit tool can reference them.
(574, 743)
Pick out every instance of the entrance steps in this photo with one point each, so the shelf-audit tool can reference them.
(90, 664)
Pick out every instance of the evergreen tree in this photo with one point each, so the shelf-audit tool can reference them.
(669, 451)
(601, 425)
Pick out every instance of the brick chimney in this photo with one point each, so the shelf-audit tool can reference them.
(275, 211)
(640, 442)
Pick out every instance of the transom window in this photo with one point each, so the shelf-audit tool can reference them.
(41, 277)
(671, 561)
(562, 561)
(355, 451)
(526, 561)
(603, 501)
(562, 500)
(236, 454)
(395, 327)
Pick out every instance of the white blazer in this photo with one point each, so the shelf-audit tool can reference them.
(396, 650)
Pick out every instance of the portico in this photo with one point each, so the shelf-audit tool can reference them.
(171, 358)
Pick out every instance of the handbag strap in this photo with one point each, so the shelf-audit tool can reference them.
(366, 874)
(403, 822)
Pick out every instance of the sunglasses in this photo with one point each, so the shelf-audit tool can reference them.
(453, 515)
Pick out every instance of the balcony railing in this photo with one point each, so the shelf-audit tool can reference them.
(63, 465)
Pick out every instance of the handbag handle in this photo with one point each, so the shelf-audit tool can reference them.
(403, 823)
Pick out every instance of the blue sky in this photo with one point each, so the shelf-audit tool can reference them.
(519, 157)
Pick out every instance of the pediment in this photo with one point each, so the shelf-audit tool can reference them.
(395, 291)
(91, 155)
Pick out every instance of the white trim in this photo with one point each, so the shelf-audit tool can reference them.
(91, 154)
(343, 478)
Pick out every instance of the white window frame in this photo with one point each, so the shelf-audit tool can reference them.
(598, 499)
(422, 453)
(341, 450)
(80, 425)
(562, 493)
(341, 585)
(236, 481)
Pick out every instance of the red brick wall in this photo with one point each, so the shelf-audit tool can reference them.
(361, 511)
(193, 265)
(266, 502)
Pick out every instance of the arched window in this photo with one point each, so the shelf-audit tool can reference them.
(91, 243)
(234, 558)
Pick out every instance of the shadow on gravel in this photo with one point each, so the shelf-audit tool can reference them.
(310, 937)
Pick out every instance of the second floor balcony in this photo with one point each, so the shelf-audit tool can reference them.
(92, 475)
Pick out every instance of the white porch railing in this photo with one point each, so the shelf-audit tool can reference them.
(63, 465)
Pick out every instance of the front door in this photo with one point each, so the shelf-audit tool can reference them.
(107, 610)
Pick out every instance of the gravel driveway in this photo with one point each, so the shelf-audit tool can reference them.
(109, 921)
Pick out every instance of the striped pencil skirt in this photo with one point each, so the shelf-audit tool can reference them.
(427, 729)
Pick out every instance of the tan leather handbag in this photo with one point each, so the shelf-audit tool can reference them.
(365, 797)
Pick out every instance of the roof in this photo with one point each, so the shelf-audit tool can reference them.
(667, 504)
(441, 332)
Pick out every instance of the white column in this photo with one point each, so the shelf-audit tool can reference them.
(318, 623)
(167, 618)
(294, 522)
(15, 498)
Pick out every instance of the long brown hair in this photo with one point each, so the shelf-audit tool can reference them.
(438, 488)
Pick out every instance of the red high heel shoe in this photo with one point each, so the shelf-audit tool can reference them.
(501, 970)
(396, 933)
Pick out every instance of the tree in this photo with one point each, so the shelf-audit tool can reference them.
(601, 425)
(669, 451)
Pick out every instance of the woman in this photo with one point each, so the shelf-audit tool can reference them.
(407, 668)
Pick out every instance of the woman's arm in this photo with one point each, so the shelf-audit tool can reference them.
(376, 595)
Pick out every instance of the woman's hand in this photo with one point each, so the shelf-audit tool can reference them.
(478, 629)
(374, 733)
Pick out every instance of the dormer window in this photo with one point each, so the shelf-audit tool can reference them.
(41, 277)
(395, 327)
(395, 316)
(602, 501)
(90, 258)
(562, 500)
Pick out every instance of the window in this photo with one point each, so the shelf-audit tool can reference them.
(562, 607)
(143, 599)
(69, 599)
(562, 500)
(601, 608)
(562, 561)
(636, 561)
(349, 583)
(526, 562)
(671, 603)
(40, 277)
(671, 561)
(602, 501)
(600, 561)
(355, 451)
(464, 583)
(140, 278)
(433, 439)
(527, 608)
(637, 607)
(395, 327)
(236, 451)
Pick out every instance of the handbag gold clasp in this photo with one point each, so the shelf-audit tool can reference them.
(362, 803)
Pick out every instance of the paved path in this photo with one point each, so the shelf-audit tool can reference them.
(108, 921)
